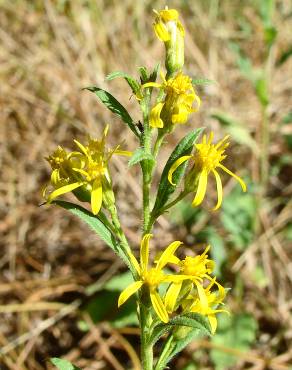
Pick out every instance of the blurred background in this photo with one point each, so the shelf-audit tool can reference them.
(59, 283)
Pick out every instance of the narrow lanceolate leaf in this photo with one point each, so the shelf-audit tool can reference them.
(96, 225)
(113, 105)
(191, 320)
(134, 85)
(166, 189)
(63, 364)
(139, 155)
(202, 81)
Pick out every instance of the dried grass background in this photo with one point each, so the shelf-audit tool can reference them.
(50, 50)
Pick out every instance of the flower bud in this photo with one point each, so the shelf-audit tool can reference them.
(169, 29)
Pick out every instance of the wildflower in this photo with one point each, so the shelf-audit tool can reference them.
(195, 268)
(85, 172)
(177, 104)
(169, 29)
(151, 278)
(207, 158)
(205, 302)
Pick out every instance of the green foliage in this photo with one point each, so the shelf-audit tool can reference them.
(239, 220)
(236, 332)
(96, 225)
(63, 364)
(284, 56)
(113, 105)
(261, 88)
(266, 11)
(103, 305)
(190, 320)
(134, 85)
(165, 189)
(217, 251)
(202, 81)
(140, 155)
(237, 131)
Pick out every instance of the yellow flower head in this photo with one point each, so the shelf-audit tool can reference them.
(169, 29)
(205, 302)
(207, 158)
(85, 170)
(194, 269)
(178, 102)
(151, 277)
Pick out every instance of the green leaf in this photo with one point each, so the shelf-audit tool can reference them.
(191, 320)
(143, 74)
(63, 364)
(113, 105)
(261, 88)
(140, 155)
(202, 81)
(284, 56)
(235, 332)
(239, 221)
(154, 74)
(95, 224)
(237, 131)
(165, 189)
(134, 85)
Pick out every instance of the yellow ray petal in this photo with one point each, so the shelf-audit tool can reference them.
(144, 252)
(154, 119)
(129, 291)
(213, 323)
(158, 306)
(175, 165)
(242, 183)
(134, 262)
(81, 147)
(176, 278)
(123, 152)
(167, 254)
(63, 190)
(171, 296)
(96, 196)
(202, 187)
(202, 296)
(151, 84)
(219, 190)
(161, 31)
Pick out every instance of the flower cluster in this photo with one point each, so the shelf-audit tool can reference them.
(84, 172)
(186, 291)
(177, 104)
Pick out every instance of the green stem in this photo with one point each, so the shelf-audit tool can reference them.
(147, 166)
(118, 229)
(146, 348)
(158, 143)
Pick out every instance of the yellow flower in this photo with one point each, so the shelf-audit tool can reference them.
(205, 302)
(83, 172)
(194, 269)
(177, 105)
(207, 158)
(151, 277)
(169, 29)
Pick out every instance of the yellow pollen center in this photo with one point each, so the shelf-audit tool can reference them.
(153, 277)
(208, 156)
(195, 266)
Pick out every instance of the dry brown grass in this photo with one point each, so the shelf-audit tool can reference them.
(50, 50)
